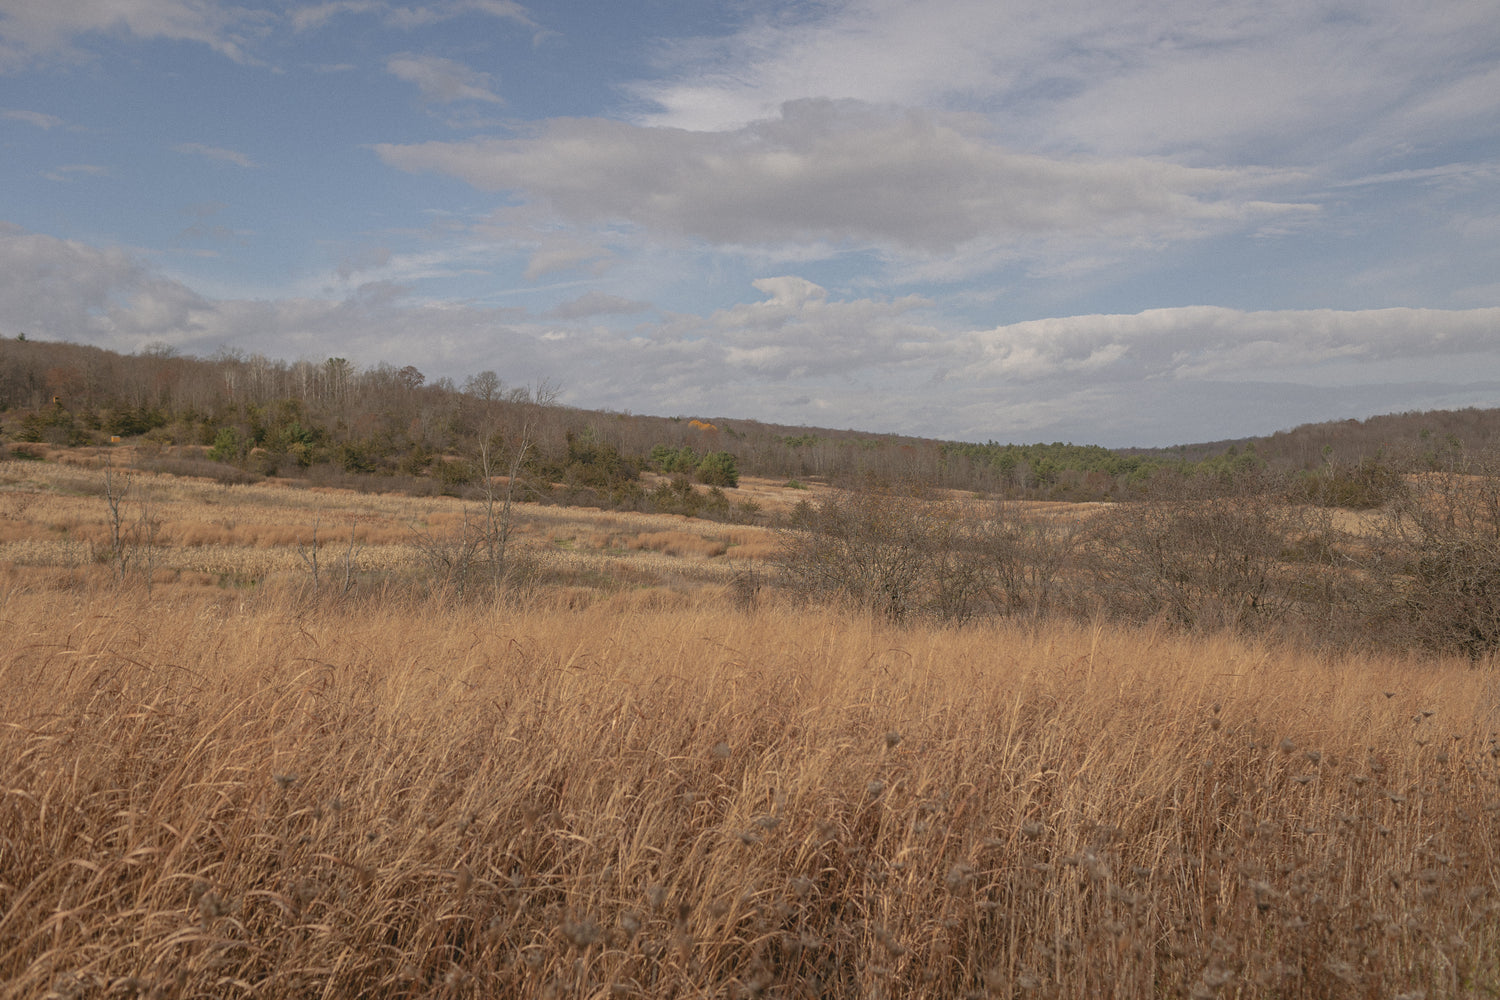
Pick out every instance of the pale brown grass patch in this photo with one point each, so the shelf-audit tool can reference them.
(651, 795)
(677, 543)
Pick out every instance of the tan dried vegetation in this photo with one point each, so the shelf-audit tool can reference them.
(52, 515)
(654, 792)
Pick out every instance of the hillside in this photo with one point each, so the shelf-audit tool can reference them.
(334, 422)
(1421, 438)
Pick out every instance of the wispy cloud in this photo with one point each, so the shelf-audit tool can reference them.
(1278, 81)
(310, 18)
(37, 118)
(408, 16)
(75, 170)
(1196, 342)
(1489, 169)
(442, 81)
(32, 32)
(214, 153)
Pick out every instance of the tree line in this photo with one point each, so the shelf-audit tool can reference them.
(334, 418)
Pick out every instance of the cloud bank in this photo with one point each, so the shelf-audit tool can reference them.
(801, 355)
(840, 173)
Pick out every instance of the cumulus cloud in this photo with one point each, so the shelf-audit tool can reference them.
(62, 288)
(797, 331)
(841, 173)
(442, 81)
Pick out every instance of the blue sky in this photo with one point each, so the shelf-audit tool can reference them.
(1106, 222)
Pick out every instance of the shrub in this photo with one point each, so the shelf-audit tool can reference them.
(718, 468)
(866, 547)
(27, 453)
(1437, 568)
(670, 460)
(227, 446)
(1198, 554)
(676, 496)
(898, 553)
(357, 457)
(595, 464)
(453, 473)
(1365, 486)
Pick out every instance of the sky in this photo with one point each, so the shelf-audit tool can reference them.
(1112, 222)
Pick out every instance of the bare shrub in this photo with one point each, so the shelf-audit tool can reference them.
(897, 552)
(1198, 554)
(133, 537)
(1435, 570)
(871, 548)
(1028, 558)
(479, 558)
(224, 475)
(344, 573)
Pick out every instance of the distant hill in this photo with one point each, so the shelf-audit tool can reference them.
(1403, 439)
(334, 420)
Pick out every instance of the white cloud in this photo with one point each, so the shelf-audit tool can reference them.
(800, 353)
(410, 16)
(60, 288)
(74, 170)
(557, 254)
(1281, 81)
(840, 173)
(30, 31)
(214, 153)
(1197, 342)
(442, 80)
(40, 120)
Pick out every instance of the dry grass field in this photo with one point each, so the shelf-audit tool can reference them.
(54, 517)
(624, 782)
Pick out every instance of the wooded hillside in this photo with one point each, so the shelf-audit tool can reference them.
(337, 420)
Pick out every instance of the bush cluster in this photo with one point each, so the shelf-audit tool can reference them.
(716, 468)
(1252, 555)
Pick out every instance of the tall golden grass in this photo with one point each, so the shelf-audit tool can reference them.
(53, 516)
(228, 796)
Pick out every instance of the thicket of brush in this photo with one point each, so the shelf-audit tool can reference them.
(1420, 571)
(272, 800)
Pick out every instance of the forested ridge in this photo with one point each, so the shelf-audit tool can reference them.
(337, 420)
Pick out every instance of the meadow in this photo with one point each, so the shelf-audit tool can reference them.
(225, 774)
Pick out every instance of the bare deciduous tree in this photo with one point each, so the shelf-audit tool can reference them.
(482, 550)
(1437, 564)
